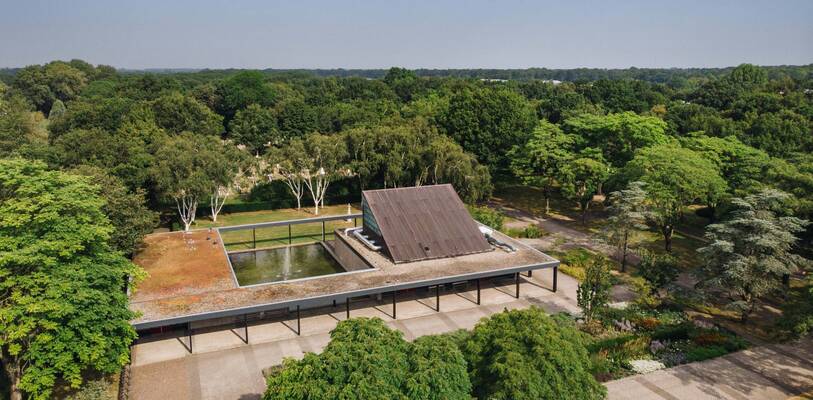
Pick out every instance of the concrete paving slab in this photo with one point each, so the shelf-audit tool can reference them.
(158, 351)
(165, 380)
(730, 381)
(268, 332)
(786, 372)
(212, 366)
(217, 340)
(466, 319)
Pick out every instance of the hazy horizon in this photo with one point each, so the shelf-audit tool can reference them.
(215, 34)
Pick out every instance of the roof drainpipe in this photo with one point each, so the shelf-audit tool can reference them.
(356, 232)
(489, 235)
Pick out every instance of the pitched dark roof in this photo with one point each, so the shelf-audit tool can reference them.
(424, 222)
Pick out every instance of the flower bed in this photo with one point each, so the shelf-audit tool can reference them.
(639, 340)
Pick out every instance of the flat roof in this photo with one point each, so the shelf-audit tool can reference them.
(190, 278)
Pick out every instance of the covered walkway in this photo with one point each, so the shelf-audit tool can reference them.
(223, 366)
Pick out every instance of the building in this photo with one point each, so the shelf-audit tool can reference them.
(419, 238)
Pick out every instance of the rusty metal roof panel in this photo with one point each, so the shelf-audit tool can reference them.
(424, 222)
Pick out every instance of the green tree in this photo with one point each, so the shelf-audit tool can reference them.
(57, 110)
(364, 360)
(543, 158)
(255, 127)
(618, 95)
(593, 292)
(523, 354)
(127, 211)
(325, 161)
(63, 307)
(627, 217)
(296, 119)
(241, 90)
(581, 179)
(659, 270)
(188, 168)
(43, 85)
(618, 135)
(288, 163)
(17, 124)
(488, 122)
(675, 178)
(751, 251)
(780, 134)
(403, 82)
(437, 370)
(122, 154)
(178, 113)
(743, 167)
(795, 176)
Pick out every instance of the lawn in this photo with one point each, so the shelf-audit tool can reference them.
(685, 241)
(277, 236)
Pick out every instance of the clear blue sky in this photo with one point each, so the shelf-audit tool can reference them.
(414, 34)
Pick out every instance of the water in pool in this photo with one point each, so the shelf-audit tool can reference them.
(283, 264)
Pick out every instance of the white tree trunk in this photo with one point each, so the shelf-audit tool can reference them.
(217, 201)
(187, 207)
(295, 184)
(317, 187)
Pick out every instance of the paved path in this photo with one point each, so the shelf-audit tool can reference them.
(766, 372)
(561, 237)
(223, 367)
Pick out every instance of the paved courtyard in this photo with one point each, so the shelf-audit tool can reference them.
(224, 367)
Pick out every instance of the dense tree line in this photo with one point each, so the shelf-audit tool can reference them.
(729, 132)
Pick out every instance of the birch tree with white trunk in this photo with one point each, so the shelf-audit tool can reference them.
(289, 164)
(217, 200)
(325, 157)
(189, 167)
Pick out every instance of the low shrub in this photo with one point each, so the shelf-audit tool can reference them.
(647, 323)
(622, 347)
(576, 272)
(672, 332)
(704, 353)
(487, 216)
(577, 257)
(708, 338)
(735, 343)
(532, 232)
(98, 389)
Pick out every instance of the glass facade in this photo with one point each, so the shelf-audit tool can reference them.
(369, 221)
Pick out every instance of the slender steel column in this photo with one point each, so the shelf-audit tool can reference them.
(516, 281)
(245, 326)
(393, 304)
(355, 224)
(289, 233)
(254, 238)
(437, 298)
(298, 322)
(530, 273)
(323, 231)
(555, 276)
(334, 303)
(189, 333)
(347, 303)
(478, 291)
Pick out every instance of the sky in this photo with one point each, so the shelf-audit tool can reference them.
(411, 34)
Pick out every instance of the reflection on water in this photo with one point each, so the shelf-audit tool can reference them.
(282, 264)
